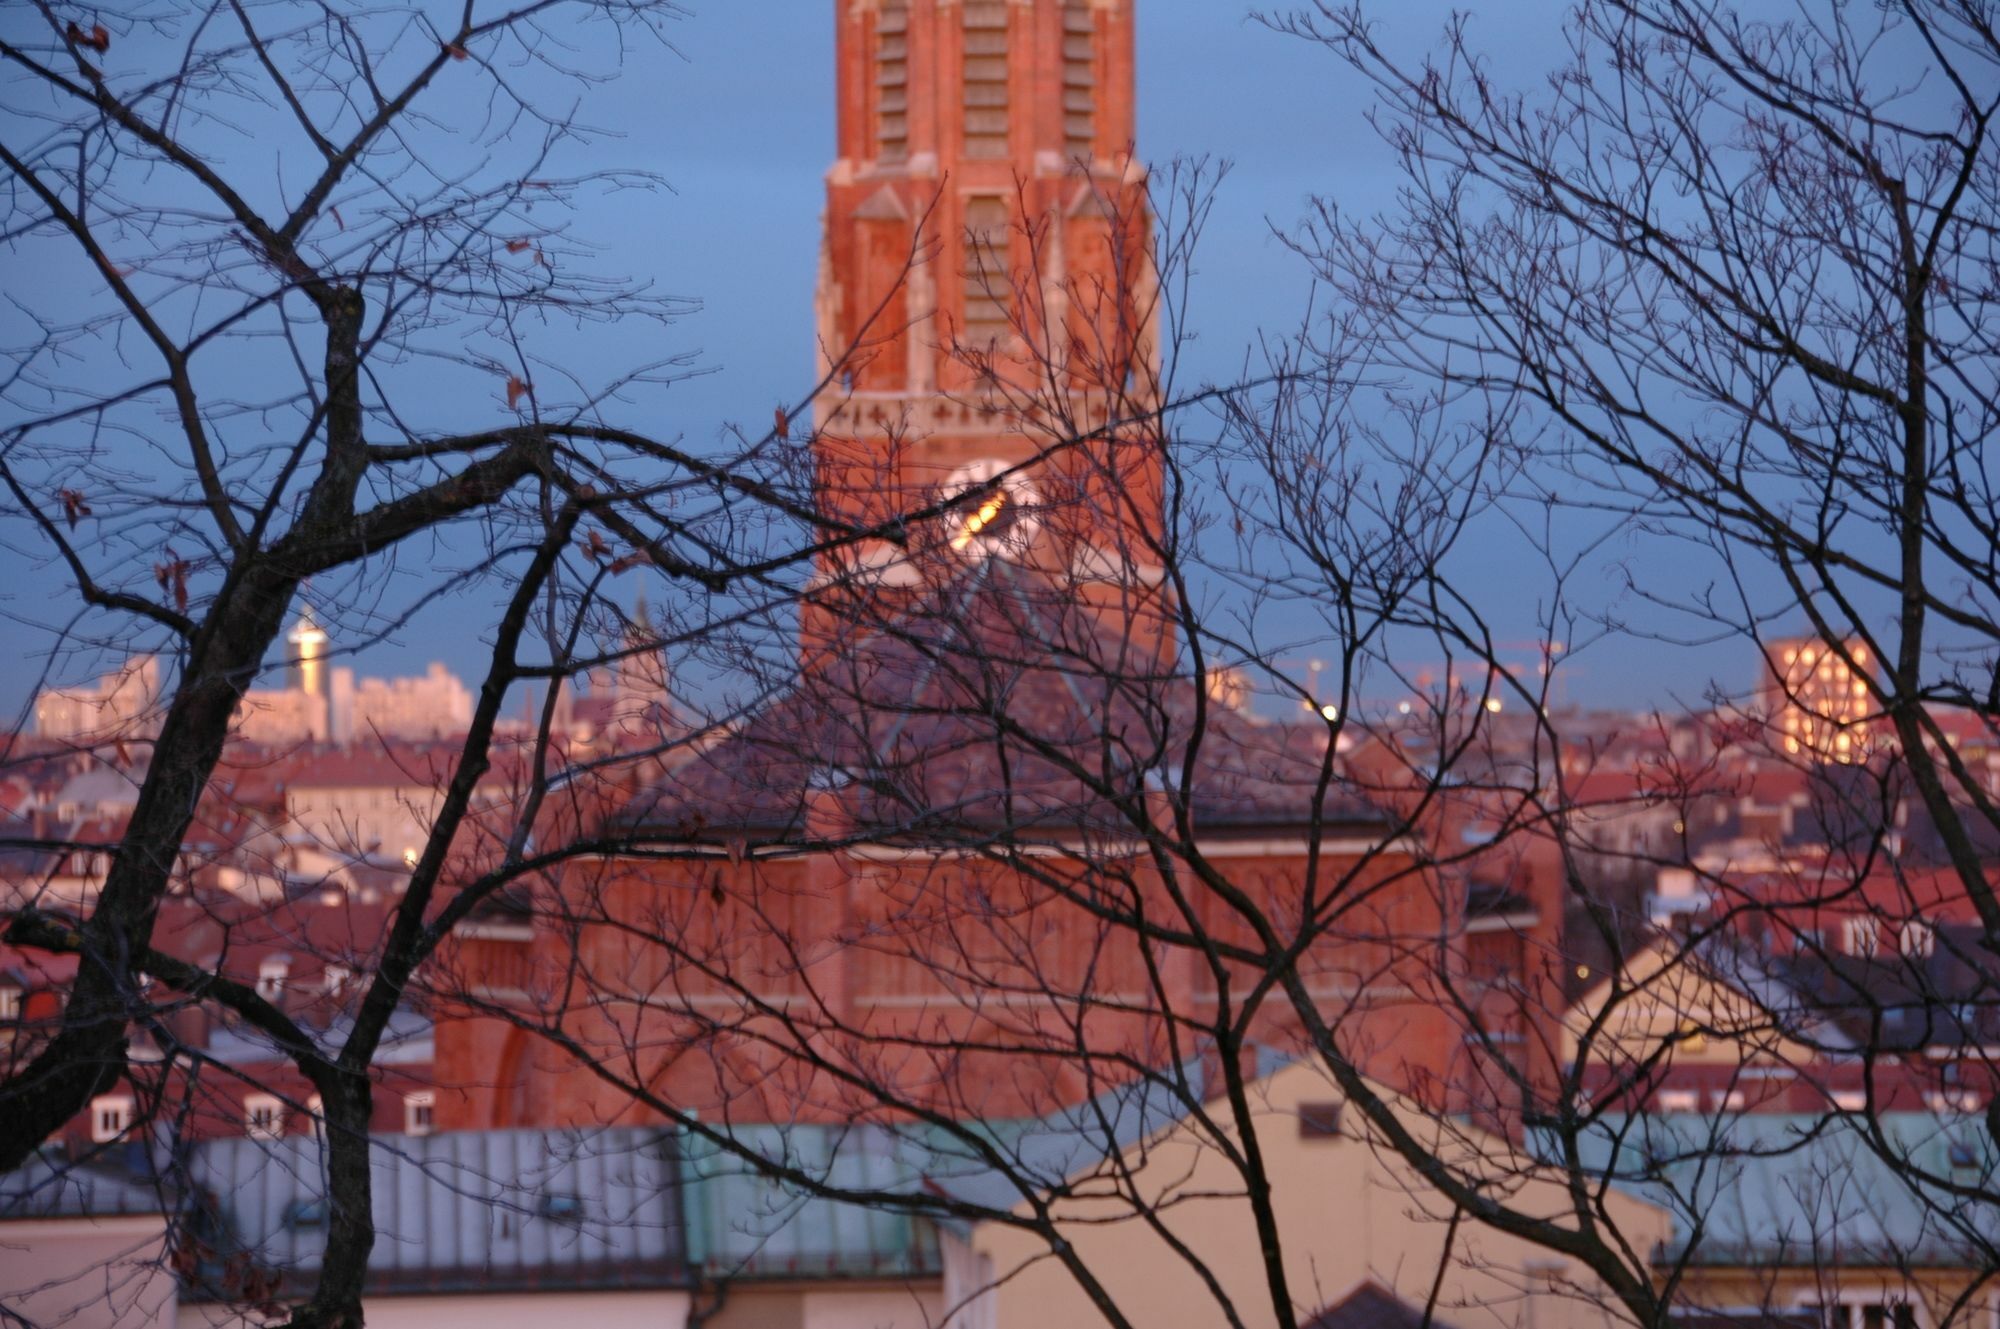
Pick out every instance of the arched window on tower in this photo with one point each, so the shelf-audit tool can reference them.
(892, 81)
(1079, 79)
(985, 31)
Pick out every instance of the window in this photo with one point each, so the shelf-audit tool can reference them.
(336, 978)
(985, 82)
(1850, 1100)
(1079, 79)
(1319, 1120)
(892, 82)
(1731, 1100)
(561, 1207)
(1680, 1100)
(110, 1117)
(316, 1112)
(419, 1112)
(10, 1003)
(1860, 936)
(1954, 1100)
(1872, 1315)
(989, 287)
(271, 976)
(263, 1117)
(1917, 939)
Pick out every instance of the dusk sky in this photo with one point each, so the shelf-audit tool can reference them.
(740, 125)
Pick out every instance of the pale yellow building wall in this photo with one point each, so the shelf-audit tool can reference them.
(1662, 993)
(1344, 1213)
(782, 1306)
(1940, 1293)
(513, 1310)
(103, 1273)
(873, 1308)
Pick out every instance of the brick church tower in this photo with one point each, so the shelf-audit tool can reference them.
(866, 890)
(985, 299)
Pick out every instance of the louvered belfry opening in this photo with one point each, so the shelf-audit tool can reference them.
(989, 290)
(892, 81)
(1079, 93)
(985, 79)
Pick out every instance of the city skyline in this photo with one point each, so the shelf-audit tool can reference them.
(745, 166)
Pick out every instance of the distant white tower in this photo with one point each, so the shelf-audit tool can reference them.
(640, 699)
(309, 643)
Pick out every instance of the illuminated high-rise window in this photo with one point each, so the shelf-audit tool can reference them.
(985, 82)
(1817, 700)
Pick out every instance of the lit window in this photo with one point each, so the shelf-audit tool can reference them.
(1861, 936)
(1680, 1100)
(110, 1117)
(10, 1003)
(1917, 938)
(263, 1116)
(336, 979)
(1729, 1101)
(1850, 1100)
(419, 1113)
(316, 1111)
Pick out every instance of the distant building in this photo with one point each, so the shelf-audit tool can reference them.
(640, 697)
(317, 705)
(434, 704)
(121, 704)
(281, 717)
(1816, 699)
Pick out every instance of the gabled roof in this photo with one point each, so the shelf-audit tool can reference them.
(1808, 1191)
(994, 703)
(485, 1210)
(49, 1186)
(1372, 1306)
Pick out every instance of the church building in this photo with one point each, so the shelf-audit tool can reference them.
(999, 843)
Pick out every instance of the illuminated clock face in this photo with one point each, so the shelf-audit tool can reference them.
(998, 514)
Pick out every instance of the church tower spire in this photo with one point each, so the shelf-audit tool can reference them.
(986, 281)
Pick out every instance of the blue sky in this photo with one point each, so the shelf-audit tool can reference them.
(739, 123)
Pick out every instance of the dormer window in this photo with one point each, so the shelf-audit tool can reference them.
(1861, 935)
(263, 1116)
(272, 975)
(419, 1112)
(110, 1117)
